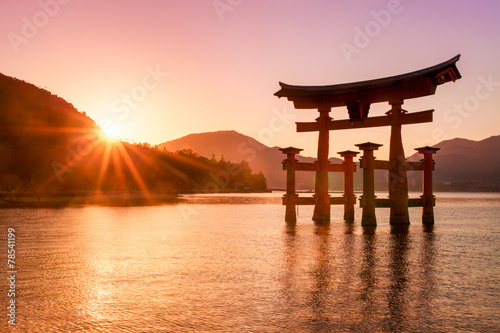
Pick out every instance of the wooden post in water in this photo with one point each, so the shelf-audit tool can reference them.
(398, 182)
(321, 197)
(290, 198)
(368, 197)
(350, 198)
(427, 197)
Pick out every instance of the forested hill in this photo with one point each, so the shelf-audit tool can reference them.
(48, 146)
(36, 127)
(26, 106)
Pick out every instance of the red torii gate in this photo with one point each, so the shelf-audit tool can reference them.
(358, 97)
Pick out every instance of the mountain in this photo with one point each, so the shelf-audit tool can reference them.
(461, 165)
(234, 146)
(465, 165)
(36, 128)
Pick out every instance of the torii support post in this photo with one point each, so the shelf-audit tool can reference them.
(350, 198)
(368, 197)
(398, 182)
(321, 197)
(290, 197)
(427, 197)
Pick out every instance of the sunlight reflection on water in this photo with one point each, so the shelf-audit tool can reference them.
(236, 266)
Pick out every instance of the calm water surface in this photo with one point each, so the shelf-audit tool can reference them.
(229, 263)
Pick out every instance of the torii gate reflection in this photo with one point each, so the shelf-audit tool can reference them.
(357, 97)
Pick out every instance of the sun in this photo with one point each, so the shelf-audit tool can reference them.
(110, 133)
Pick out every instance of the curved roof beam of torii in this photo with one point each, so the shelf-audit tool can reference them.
(359, 95)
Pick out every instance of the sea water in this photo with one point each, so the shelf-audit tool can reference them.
(230, 263)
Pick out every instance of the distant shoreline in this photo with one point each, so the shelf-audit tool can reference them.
(361, 191)
(40, 200)
(27, 199)
(61, 200)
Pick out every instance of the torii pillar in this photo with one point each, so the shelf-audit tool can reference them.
(427, 197)
(321, 197)
(290, 198)
(350, 198)
(368, 198)
(398, 182)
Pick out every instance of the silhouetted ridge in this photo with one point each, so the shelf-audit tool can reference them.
(35, 129)
(237, 147)
(467, 165)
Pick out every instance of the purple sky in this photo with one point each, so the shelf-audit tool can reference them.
(224, 60)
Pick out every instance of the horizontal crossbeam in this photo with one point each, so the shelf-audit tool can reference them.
(386, 165)
(386, 202)
(311, 200)
(405, 119)
(302, 166)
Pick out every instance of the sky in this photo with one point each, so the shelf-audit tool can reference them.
(156, 70)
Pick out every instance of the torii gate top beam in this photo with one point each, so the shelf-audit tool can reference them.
(358, 96)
